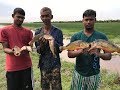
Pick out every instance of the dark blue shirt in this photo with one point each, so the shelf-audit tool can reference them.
(47, 61)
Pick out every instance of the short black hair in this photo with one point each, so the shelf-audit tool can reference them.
(46, 9)
(19, 10)
(89, 12)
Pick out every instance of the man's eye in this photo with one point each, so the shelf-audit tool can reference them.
(21, 17)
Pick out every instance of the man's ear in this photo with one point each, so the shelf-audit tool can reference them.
(12, 15)
(51, 16)
(95, 19)
(82, 20)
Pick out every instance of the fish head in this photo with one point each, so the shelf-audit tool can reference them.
(48, 37)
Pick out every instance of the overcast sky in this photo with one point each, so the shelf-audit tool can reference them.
(62, 9)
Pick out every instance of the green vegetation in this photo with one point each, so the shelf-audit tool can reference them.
(111, 29)
(110, 81)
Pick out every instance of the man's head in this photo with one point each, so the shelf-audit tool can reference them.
(89, 13)
(18, 16)
(89, 18)
(46, 15)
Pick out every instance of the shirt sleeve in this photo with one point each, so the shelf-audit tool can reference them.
(73, 38)
(104, 37)
(3, 36)
(37, 44)
(36, 33)
(59, 40)
(31, 35)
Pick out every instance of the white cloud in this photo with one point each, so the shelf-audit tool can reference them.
(65, 9)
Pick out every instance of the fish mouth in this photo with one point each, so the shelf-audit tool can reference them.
(89, 45)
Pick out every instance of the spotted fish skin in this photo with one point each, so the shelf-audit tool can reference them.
(79, 44)
(47, 37)
(107, 46)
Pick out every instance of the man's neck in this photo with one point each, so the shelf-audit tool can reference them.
(47, 29)
(88, 32)
(17, 26)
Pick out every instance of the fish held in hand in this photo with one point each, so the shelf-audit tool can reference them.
(79, 44)
(35, 38)
(28, 48)
(105, 45)
(51, 43)
(17, 51)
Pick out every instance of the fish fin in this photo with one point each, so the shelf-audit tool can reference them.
(61, 48)
(55, 56)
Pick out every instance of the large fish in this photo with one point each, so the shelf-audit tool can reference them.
(107, 46)
(79, 44)
(47, 37)
(51, 43)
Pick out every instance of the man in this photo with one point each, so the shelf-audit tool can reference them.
(86, 75)
(18, 67)
(49, 65)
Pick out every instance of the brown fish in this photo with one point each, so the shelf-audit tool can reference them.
(51, 43)
(47, 37)
(79, 44)
(107, 46)
(35, 38)
(17, 50)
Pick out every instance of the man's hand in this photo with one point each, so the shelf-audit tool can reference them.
(94, 51)
(42, 40)
(16, 51)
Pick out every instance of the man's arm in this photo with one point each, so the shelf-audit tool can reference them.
(104, 55)
(6, 48)
(73, 54)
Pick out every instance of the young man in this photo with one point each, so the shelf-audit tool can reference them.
(86, 75)
(49, 65)
(18, 68)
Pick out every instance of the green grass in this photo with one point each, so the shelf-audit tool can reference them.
(111, 29)
(110, 81)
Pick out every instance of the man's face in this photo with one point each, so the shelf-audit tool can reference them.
(88, 22)
(18, 19)
(46, 17)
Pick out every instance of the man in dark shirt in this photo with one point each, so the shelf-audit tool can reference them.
(49, 65)
(86, 75)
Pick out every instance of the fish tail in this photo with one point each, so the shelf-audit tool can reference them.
(54, 56)
(119, 50)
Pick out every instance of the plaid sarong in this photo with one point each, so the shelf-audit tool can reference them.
(84, 83)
